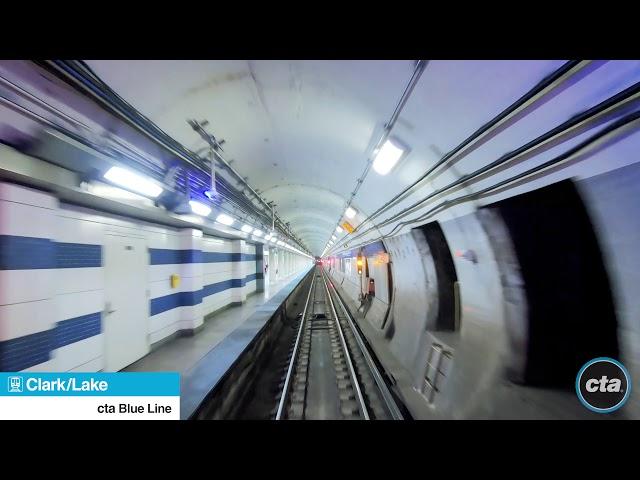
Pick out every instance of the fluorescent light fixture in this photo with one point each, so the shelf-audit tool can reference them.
(257, 233)
(273, 239)
(109, 191)
(339, 229)
(132, 181)
(199, 208)
(224, 219)
(387, 157)
(333, 237)
(267, 237)
(350, 212)
(247, 229)
(280, 242)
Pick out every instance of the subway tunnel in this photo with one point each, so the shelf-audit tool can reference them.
(328, 239)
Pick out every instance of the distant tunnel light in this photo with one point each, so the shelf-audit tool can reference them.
(387, 157)
(224, 219)
(267, 237)
(199, 208)
(350, 212)
(333, 237)
(339, 229)
(257, 233)
(133, 182)
(280, 242)
(273, 239)
(247, 229)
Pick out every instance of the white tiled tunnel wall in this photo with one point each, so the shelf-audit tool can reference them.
(52, 292)
(249, 267)
(27, 290)
(215, 273)
(79, 289)
(170, 310)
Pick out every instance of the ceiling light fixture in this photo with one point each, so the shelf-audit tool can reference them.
(350, 212)
(224, 219)
(199, 208)
(387, 157)
(132, 181)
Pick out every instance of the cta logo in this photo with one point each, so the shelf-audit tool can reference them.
(15, 385)
(603, 385)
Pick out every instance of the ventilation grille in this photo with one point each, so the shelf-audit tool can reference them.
(438, 366)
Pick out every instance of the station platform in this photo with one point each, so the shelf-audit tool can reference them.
(202, 359)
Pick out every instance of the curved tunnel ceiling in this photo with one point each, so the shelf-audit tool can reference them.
(301, 131)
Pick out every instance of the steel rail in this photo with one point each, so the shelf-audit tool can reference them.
(285, 388)
(390, 402)
(352, 372)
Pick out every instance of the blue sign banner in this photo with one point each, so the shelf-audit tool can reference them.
(370, 250)
(373, 249)
(117, 384)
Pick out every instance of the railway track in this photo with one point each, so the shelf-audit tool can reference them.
(329, 373)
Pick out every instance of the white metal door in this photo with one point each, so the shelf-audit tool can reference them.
(126, 313)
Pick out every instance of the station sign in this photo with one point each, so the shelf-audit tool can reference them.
(90, 396)
(347, 226)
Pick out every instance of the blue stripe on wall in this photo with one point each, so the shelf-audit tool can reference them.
(24, 352)
(165, 256)
(187, 299)
(78, 255)
(76, 329)
(216, 288)
(162, 256)
(175, 300)
(26, 253)
(216, 257)
(30, 253)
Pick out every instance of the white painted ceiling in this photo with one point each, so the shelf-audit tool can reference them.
(301, 131)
